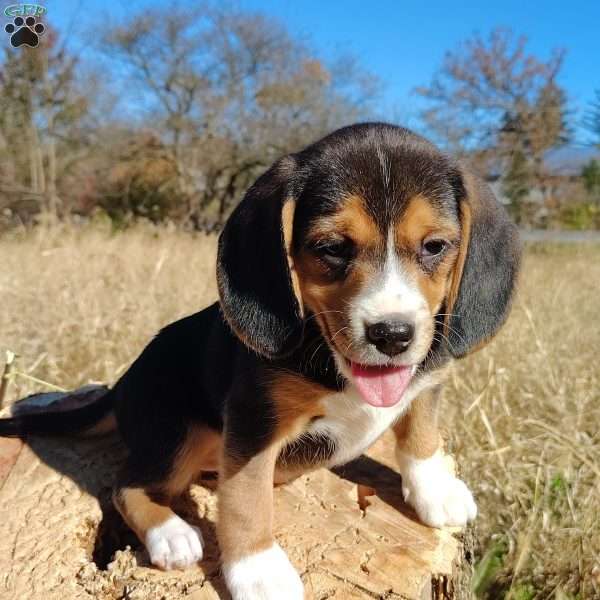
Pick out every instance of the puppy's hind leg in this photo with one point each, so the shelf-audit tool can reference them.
(170, 541)
(143, 498)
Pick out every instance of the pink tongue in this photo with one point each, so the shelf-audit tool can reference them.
(381, 386)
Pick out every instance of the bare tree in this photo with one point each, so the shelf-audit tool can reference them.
(41, 124)
(491, 98)
(227, 91)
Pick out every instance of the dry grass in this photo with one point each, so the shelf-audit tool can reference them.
(525, 412)
(80, 305)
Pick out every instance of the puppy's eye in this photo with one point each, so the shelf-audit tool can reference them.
(433, 248)
(334, 253)
(432, 251)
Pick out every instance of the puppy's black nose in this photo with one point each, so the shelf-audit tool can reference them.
(391, 337)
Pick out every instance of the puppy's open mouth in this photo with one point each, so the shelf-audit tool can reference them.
(381, 385)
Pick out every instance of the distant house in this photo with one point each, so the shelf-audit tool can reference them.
(569, 160)
(562, 167)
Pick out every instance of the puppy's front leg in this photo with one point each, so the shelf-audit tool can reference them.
(438, 497)
(254, 565)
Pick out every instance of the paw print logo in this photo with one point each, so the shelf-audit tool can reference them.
(25, 32)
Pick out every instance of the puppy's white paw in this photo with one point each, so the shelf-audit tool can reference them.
(174, 544)
(266, 575)
(437, 496)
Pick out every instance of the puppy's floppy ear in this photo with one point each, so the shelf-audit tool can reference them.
(258, 287)
(486, 271)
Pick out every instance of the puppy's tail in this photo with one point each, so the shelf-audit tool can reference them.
(85, 411)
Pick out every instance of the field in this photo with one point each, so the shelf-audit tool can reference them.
(522, 415)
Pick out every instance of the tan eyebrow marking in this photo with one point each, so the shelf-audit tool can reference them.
(421, 218)
(352, 220)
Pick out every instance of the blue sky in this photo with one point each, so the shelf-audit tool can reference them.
(404, 42)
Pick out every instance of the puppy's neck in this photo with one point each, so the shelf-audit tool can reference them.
(314, 359)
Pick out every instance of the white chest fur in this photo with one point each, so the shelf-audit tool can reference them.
(353, 425)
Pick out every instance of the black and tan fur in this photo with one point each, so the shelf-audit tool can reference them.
(235, 386)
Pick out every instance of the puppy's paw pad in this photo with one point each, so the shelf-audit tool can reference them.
(266, 575)
(174, 544)
(439, 498)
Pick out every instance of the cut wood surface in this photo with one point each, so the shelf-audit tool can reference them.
(347, 532)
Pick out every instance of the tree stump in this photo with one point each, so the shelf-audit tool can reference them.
(347, 532)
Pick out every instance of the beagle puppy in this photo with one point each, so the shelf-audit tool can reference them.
(349, 276)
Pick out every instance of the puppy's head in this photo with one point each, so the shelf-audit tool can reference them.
(396, 251)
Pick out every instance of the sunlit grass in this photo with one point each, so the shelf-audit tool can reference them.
(524, 420)
(523, 414)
